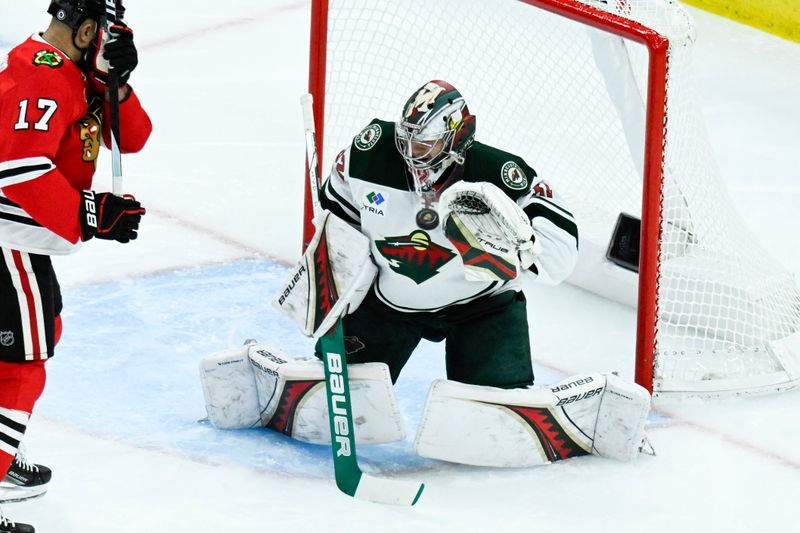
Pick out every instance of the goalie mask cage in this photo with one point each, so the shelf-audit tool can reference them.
(596, 96)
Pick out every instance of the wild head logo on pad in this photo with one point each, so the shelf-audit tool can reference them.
(414, 256)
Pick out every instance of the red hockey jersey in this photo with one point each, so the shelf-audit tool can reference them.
(50, 135)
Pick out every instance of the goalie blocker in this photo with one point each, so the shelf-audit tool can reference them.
(588, 414)
(330, 280)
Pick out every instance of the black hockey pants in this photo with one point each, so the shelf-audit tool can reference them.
(486, 340)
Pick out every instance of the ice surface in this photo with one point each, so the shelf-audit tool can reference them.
(222, 180)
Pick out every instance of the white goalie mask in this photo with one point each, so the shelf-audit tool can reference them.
(435, 131)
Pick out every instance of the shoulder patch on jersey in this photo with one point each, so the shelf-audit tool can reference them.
(513, 176)
(368, 137)
(47, 58)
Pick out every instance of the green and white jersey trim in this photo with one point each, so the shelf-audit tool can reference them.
(420, 270)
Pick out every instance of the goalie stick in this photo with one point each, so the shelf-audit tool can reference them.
(349, 477)
(110, 18)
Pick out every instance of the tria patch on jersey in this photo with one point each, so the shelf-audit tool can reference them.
(513, 176)
(47, 58)
(374, 199)
(414, 256)
(368, 137)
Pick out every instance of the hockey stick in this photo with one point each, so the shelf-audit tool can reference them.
(113, 94)
(349, 477)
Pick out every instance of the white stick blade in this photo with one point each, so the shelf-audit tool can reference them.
(389, 491)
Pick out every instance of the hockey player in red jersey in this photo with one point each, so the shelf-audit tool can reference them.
(53, 118)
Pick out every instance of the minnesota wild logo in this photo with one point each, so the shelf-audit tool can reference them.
(513, 176)
(414, 256)
(368, 137)
(47, 58)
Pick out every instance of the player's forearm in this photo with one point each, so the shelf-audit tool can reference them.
(556, 256)
(122, 93)
(556, 235)
(135, 124)
(338, 201)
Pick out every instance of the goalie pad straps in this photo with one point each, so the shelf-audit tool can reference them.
(259, 385)
(331, 279)
(487, 228)
(487, 426)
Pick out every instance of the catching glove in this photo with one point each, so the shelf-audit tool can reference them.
(106, 216)
(111, 50)
(489, 230)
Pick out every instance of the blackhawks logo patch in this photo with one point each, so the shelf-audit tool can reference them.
(513, 176)
(414, 256)
(47, 58)
(368, 137)
(89, 130)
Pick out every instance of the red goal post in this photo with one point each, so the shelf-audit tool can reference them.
(341, 30)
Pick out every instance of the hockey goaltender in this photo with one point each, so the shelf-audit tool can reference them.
(427, 233)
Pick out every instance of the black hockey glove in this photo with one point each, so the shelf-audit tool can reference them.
(117, 52)
(106, 216)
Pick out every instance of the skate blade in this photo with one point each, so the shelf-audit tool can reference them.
(10, 493)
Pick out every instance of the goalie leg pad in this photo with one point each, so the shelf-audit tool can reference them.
(621, 419)
(292, 398)
(229, 389)
(487, 426)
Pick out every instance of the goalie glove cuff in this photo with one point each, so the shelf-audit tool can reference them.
(528, 252)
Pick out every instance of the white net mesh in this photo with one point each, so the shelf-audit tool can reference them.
(569, 99)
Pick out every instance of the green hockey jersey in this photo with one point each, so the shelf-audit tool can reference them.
(420, 270)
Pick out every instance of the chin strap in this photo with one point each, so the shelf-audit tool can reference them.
(437, 180)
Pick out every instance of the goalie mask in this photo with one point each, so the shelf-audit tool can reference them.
(435, 130)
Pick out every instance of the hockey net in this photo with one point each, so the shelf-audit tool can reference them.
(597, 96)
